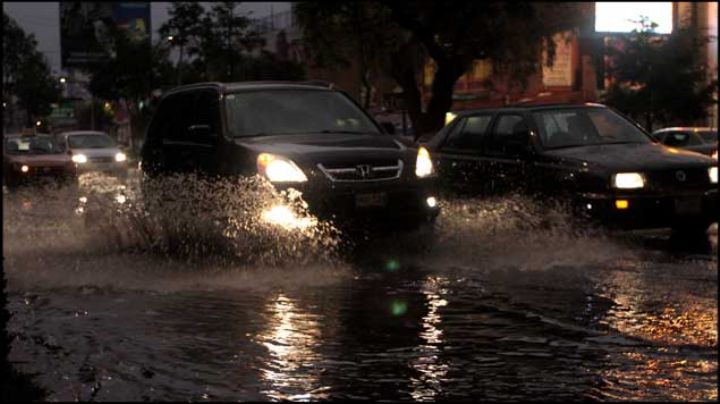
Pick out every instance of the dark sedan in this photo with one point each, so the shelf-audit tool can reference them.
(604, 164)
(36, 159)
(701, 140)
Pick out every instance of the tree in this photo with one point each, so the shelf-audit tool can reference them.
(453, 34)
(136, 70)
(184, 26)
(26, 74)
(659, 79)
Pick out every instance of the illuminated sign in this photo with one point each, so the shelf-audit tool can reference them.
(623, 16)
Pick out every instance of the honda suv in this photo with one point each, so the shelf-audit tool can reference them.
(306, 136)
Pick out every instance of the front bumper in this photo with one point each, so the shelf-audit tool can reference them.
(118, 169)
(383, 203)
(650, 211)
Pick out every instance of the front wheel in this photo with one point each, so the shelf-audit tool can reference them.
(693, 235)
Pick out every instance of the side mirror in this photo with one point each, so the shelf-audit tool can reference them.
(200, 132)
(388, 127)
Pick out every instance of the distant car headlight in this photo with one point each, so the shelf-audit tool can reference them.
(279, 169)
(25, 169)
(423, 163)
(712, 173)
(120, 157)
(628, 181)
(79, 158)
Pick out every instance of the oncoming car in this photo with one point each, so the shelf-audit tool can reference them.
(588, 156)
(309, 137)
(36, 159)
(701, 140)
(94, 151)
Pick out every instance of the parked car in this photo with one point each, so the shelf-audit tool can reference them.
(701, 140)
(601, 163)
(35, 159)
(309, 137)
(94, 151)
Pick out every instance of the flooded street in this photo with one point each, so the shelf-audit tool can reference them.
(497, 308)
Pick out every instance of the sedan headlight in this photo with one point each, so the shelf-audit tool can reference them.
(423, 163)
(79, 158)
(120, 157)
(712, 173)
(279, 169)
(628, 181)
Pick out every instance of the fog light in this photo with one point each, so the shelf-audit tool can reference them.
(431, 201)
(622, 204)
(24, 168)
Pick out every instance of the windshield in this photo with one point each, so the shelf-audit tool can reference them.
(32, 145)
(585, 126)
(276, 112)
(90, 141)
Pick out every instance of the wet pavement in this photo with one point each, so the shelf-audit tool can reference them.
(496, 308)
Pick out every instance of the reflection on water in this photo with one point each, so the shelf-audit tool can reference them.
(428, 362)
(493, 311)
(291, 337)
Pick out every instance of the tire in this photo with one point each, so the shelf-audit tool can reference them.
(691, 235)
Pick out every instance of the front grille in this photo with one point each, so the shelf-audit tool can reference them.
(680, 178)
(48, 171)
(362, 171)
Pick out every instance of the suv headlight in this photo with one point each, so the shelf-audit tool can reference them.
(79, 158)
(279, 169)
(423, 163)
(628, 181)
(712, 173)
(120, 157)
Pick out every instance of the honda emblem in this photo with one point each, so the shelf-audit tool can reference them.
(364, 170)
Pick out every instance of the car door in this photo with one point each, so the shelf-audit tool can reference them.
(460, 156)
(176, 145)
(506, 153)
(203, 132)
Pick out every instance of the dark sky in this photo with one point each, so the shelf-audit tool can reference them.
(43, 20)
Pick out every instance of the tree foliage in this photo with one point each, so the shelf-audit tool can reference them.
(398, 37)
(26, 74)
(660, 79)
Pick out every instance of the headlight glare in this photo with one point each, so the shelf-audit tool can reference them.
(279, 169)
(423, 163)
(24, 168)
(628, 181)
(79, 158)
(712, 173)
(120, 157)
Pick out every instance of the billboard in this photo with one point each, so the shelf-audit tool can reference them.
(620, 16)
(84, 27)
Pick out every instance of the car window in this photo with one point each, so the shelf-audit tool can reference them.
(708, 136)
(469, 133)
(274, 112)
(90, 141)
(172, 116)
(32, 145)
(585, 126)
(508, 132)
(681, 139)
(206, 111)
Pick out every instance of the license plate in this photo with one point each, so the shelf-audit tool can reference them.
(370, 200)
(688, 206)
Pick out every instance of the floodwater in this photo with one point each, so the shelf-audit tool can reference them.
(111, 303)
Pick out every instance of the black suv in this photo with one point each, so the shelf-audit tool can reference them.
(603, 164)
(306, 136)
